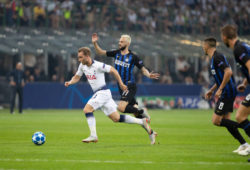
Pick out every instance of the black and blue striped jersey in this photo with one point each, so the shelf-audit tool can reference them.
(242, 55)
(124, 64)
(217, 66)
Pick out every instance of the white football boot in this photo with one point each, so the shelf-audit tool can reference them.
(245, 152)
(90, 139)
(241, 148)
(152, 137)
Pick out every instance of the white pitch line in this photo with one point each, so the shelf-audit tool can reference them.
(126, 162)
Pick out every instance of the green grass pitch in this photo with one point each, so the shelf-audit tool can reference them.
(187, 140)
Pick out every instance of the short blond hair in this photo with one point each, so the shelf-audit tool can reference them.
(86, 51)
(128, 38)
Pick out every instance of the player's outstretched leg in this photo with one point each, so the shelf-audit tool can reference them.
(242, 118)
(116, 117)
(232, 128)
(143, 113)
(88, 110)
(125, 107)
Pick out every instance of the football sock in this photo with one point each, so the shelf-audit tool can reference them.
(246, 126)
(132, 109)
(147, 131)
(131, 120)
(232, 127)
(92, 123)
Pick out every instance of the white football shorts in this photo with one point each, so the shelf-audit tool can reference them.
(103, 100)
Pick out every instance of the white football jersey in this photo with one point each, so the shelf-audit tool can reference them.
(94, 73)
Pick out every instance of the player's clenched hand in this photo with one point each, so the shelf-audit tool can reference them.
(67, 83)
(218, 93)
(241, 88)
(208, 95)
(94, 37)
(154, 75)
(123, 87)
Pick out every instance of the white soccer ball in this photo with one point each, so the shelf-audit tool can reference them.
(38, 138)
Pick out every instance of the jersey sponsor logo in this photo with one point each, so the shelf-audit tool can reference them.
(213, 72)
(91, 77)
(122, 63)
(238, 65)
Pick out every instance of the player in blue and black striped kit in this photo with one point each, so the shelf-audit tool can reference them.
(241, 52)
(125, 61)
(226, 91)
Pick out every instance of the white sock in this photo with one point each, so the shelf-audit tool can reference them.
(92, 125)
(133, 120)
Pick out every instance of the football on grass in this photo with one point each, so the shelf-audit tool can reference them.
(38, 138)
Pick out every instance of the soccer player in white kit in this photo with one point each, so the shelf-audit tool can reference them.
(102, 97)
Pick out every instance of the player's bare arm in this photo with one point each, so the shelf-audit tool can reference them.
(118, 78)
(227, 75)
(241, 87)
(151, 75)
(208, 95)
(98, 49)
(73, 80)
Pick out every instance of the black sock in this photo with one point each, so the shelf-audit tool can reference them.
(132, 109)
(246, 126)
(232, 127)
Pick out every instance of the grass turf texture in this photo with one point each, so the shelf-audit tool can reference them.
(187, 140)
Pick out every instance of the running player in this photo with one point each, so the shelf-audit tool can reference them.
(226, 91)
(241, 52)
(125, 60)
(102, 97)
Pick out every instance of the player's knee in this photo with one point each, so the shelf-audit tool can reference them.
(239, 117)
(121, 108)
(115, 119)
(85, 110)
(216, 122)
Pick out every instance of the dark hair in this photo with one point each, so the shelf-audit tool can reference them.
(86, 51)
(229, 31)
(211, 41)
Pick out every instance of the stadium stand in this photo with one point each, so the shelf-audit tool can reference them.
(46, 34)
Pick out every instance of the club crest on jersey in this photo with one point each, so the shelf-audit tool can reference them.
(213, 72)
(91, 77)
(126, 59)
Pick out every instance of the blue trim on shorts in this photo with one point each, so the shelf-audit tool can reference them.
(102, 88)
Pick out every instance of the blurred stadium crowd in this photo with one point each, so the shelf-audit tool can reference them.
(148, 16)
(181, 16)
